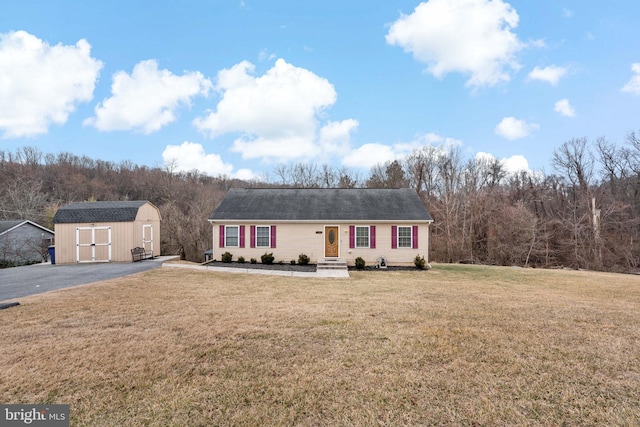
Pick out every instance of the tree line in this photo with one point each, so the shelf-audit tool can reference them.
(584, 214)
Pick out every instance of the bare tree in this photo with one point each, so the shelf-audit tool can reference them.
(22, 198)
(389, 175)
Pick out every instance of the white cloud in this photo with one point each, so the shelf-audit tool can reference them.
(633, 85)
(247, 175)
(512, 165)
(435, 139)
(147, 99)
(279, 148)
(515, 164)
(40, 84)
(568, 13)
(468, 36)
(368, 155)
(335, 137)
(192, 156)
(564, 108)
(265, 55)
(551, 74)
(512, 128)
(277, 115)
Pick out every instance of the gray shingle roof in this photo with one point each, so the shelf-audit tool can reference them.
(85, 212)
(6, 225)
(9, 224)
(282, 204)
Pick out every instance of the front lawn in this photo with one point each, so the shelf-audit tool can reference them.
(457, 345)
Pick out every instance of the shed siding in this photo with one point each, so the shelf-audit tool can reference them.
(293, 239)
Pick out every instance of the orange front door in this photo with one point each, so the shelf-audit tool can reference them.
(331, 239)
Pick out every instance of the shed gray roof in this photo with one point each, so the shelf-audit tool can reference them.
(85, 212)
(307, 204)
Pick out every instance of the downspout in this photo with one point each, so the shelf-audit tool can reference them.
(428, 240)
(213, 239)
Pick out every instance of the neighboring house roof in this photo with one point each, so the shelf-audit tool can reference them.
(333, 204)
(84, 212)
(8, 225)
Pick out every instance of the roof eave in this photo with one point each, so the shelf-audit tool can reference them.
(316, 221)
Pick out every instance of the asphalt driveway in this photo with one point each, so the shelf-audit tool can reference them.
(34, 279)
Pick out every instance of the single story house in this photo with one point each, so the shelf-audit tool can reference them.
(105, 231)
(392, 224)
(23, 242)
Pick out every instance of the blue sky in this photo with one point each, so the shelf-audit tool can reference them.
(237, 87)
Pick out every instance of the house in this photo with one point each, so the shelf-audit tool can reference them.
(105, 231)
(23, 242)
(392, 224)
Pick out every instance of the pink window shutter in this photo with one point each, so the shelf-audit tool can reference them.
(414, 236)
(394, 237)
(352, 236)
(252, 236)
(273, 236)
(221, 241)
(372, 237)
(241, 238)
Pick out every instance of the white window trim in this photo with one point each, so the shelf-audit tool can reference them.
(226, 235)
(355, 237)
(268, 245)
(410, 237)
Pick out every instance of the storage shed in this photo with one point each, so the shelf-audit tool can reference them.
(105, 231)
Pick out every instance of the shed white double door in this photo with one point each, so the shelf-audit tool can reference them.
(93, 244)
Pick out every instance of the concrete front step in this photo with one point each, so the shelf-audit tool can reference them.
(332, 267)
(331, 264)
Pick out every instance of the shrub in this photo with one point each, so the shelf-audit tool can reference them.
(267, 258)
(253, 261)
(241, 260)
(293, 262)
(280, 262)
(419, 262)
(303, 259)
(360, 263)
(227, 257)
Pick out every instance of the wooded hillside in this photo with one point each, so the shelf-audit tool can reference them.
(583, 215)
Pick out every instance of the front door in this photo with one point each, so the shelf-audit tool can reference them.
(331, 242)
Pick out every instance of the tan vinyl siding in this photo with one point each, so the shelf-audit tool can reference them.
(292, 239)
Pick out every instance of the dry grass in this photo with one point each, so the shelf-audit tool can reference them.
(458, 345)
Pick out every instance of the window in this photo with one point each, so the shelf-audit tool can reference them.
(231, 238)
(263, 237)
(260, 236)
(362, 237)
(404, 237)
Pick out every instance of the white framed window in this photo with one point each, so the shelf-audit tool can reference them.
(362, 236)
(404, 237)
(263, 236)
(231, 236)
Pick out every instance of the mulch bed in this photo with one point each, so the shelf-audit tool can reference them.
(298, 267)
(282, 267)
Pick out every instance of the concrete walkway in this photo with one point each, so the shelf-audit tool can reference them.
(323, 273)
